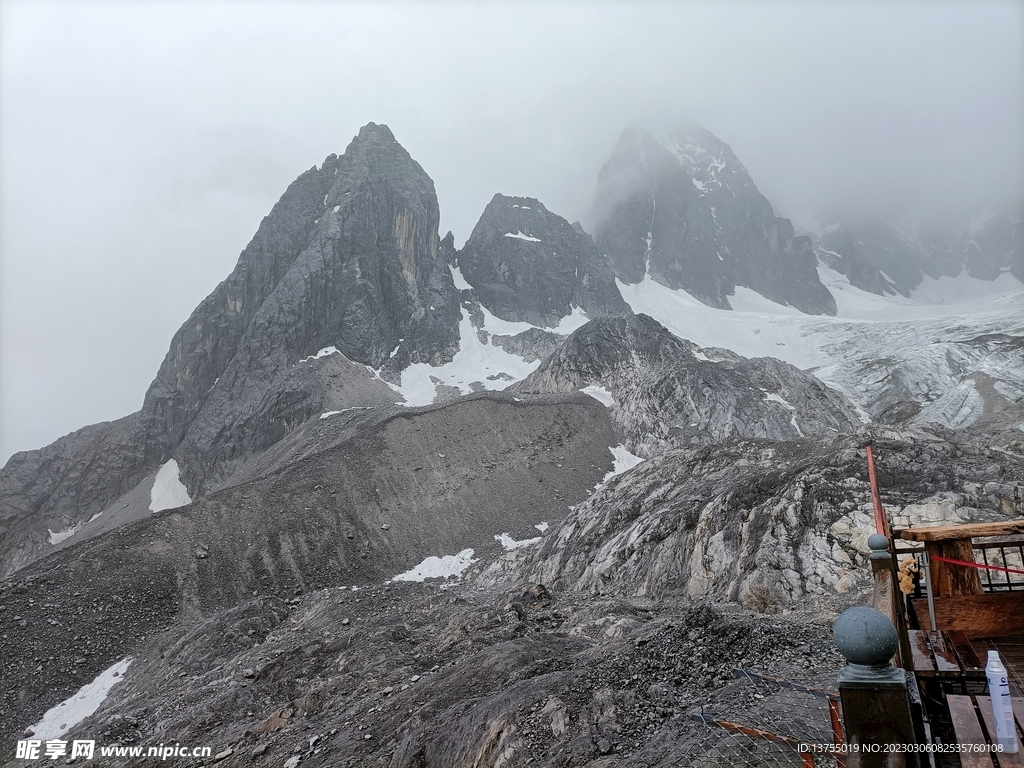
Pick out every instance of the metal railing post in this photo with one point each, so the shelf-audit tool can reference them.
(930, 591)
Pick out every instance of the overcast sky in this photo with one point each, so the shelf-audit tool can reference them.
(142, 142)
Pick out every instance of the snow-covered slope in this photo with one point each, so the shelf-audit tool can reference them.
(480, 364)
(944, 354)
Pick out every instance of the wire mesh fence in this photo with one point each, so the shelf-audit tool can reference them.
(770, 723)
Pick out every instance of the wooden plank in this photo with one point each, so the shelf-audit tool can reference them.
(920, 656)
(1005, 760)
(993, 615)
(919, 607)
(945, 659)
(1018, 715)
(969, 661)
(968, 731)
(882, 596)
(941, 532)
(949, 579)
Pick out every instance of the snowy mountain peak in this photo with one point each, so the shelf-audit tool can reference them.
(684, 212)
(709, 161)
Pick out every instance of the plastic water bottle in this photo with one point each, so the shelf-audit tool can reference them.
(1002, 709)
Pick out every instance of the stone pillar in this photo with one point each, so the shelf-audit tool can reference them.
(873, 693)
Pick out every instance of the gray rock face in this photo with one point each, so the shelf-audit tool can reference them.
(528, 264)
(884, 259)
(865, 250)
(442, 479)
(686, 212)
(45, 490)
(669, 393)
(765, 523)
(349, 258)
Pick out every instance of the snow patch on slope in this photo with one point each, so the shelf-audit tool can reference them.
(600, 394)
(509, 543)
(438, 567)
(60, 719)
(776, 398)
(168, 490)
(332, 350)
(624, 460)
(59, 536)
(328, 414)
(460, 281)
(478, 365)
(520, 236)
(575, 319)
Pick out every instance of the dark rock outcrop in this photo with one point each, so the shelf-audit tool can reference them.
(528, 264)
(882, 258)
(534, 344)
(686, 212)
(667, 392)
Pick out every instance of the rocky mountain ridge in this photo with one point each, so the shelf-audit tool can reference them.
(698, 521)
(364, 554)
(885, 259)
(666, 392)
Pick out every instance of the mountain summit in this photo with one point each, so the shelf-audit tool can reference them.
(346, 261)
(685, 212)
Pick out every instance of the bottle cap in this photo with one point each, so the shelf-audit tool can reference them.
(993, 655)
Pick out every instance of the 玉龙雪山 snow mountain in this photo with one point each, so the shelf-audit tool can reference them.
(392, 501)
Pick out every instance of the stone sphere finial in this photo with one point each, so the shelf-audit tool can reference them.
(879, 545)
(865, 636)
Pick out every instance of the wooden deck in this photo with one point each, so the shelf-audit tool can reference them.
(1011, 652)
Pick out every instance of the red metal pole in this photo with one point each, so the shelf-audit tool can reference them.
(881, 519)
(837, 731)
